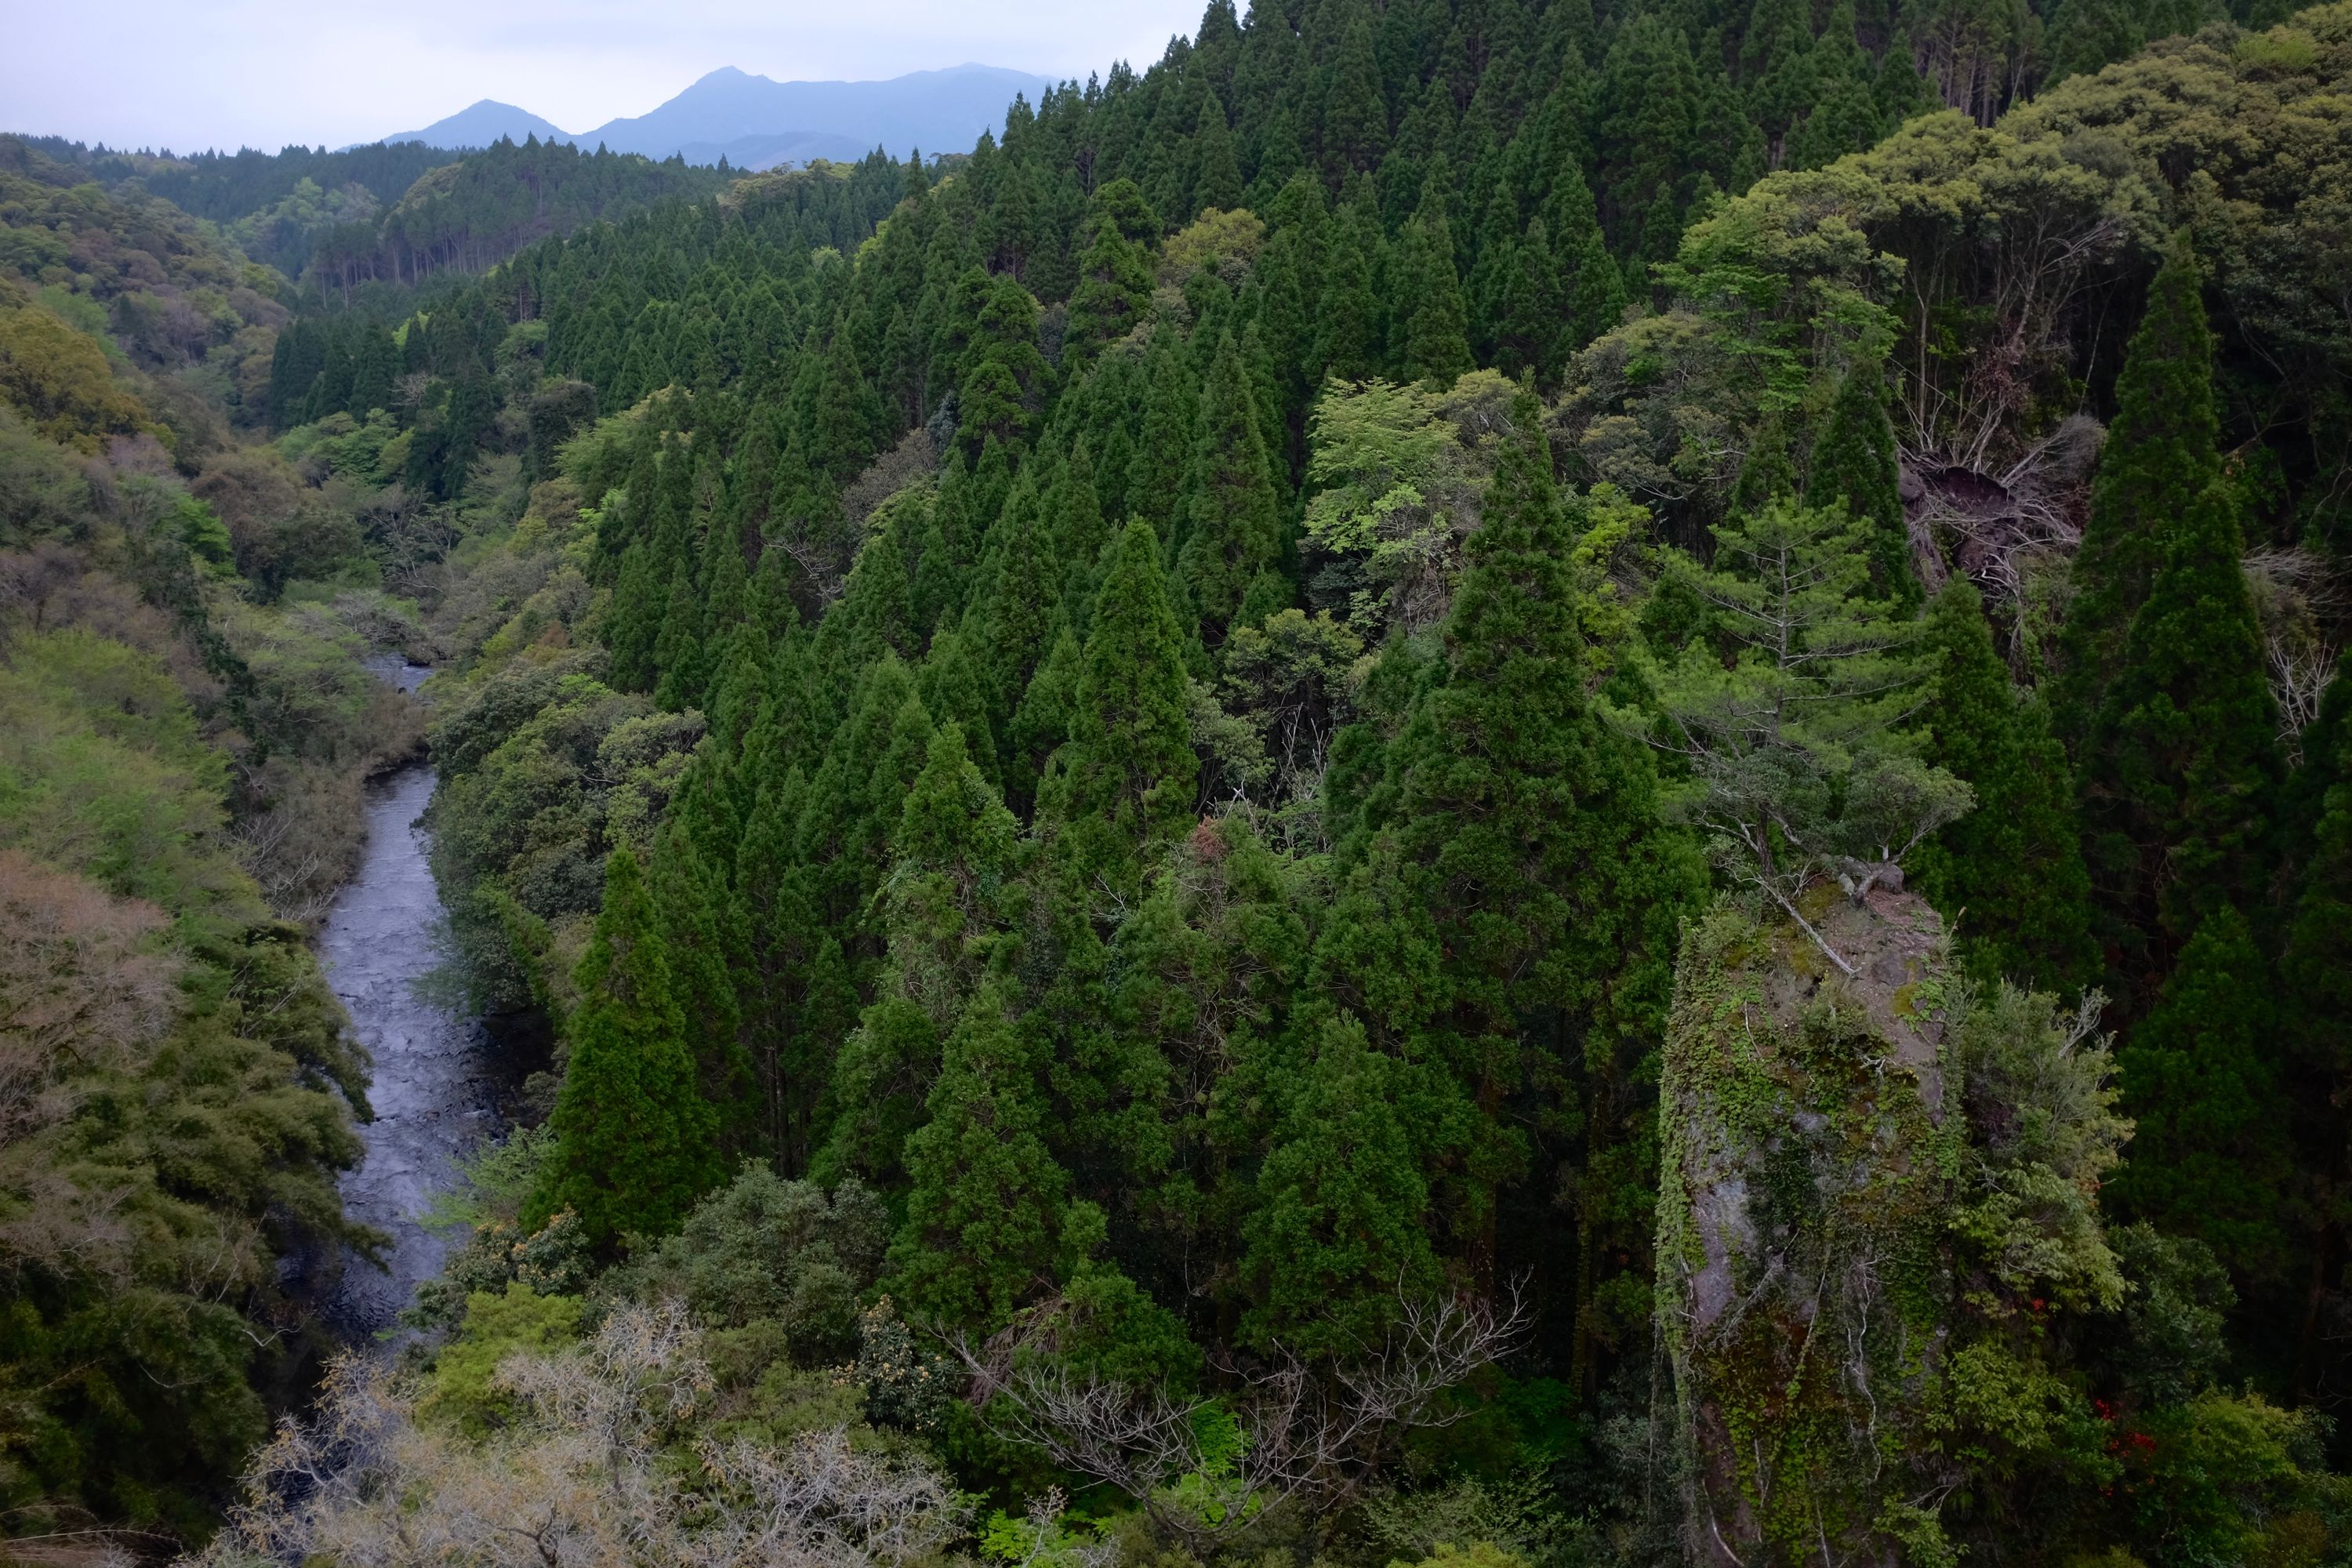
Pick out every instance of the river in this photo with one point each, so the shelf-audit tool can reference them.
(434, 1096)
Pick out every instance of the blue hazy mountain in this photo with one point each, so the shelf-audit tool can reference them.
(481, 125)
(941, 110)
(757, 123)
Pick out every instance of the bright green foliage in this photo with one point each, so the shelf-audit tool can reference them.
(2182, 770)
(2200, 1077)
(1797, 765)
(636, 1143)
(2010, 874)
(463, 1390)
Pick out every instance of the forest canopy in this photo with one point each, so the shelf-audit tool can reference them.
(1489, 782)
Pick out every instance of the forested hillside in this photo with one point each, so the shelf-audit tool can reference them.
(1465, 782)
(333, 223)
(181, 753)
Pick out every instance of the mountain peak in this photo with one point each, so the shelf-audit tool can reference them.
(755, 121)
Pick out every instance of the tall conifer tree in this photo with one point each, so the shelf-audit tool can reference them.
(1854, 462)
(2160, 455)
(635, 1141)
(2010, 873)
(1528, 934)
(2182, 770)
(1233, 529)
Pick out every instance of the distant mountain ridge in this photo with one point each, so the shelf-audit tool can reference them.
(481, 124)
(756, 122)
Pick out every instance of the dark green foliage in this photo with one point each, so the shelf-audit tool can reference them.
(1430, 339)
(1126, 783)
(1114, 285)
(2159, 460)
(2010, 874)
(984, 1197)
(1853, 464)
(1232, 529)
(2200, 1078)
(635, 1141)
(1515, 916)
(2181, 772)
(1341, 1200)
(1194, 956)
(764, 1250)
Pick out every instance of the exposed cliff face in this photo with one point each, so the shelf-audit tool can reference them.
(1876, 1191)
(1802, 1284)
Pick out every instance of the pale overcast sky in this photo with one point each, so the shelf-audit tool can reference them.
(188, 74)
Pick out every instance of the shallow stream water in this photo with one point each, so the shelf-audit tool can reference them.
(434, 1095)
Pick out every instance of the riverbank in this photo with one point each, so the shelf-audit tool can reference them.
(434, 1094)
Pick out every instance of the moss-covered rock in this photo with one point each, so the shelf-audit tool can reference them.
(1802, 1275)
(1878, 1192)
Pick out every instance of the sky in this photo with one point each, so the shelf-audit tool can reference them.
(191, 74)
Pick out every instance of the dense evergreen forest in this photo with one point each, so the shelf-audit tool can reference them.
(1466, 783)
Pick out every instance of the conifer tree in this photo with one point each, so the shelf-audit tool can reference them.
(1338, 1226)
(2010, 873)
(706, 943)
(1217, 173)
(1075, 528)
(1347, 316)
(2181, 774)
(1354, 119)
(1591, 287)
(635, 1141)
(677, 650)
(1156, 476)
(1128, 779)
(1529, 311)
(951, 692)
(948, 900)
(1046, 718)
(1647, 132)
(941, 575)
(1233, 527)
(2315, 974)
(1528, 875)
(1433, 343)
(2199, 1078)
(985, 1198)
(1016, 616)
(640, 604)
(1113, 289)
(1853, 463)
(2161, 454)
